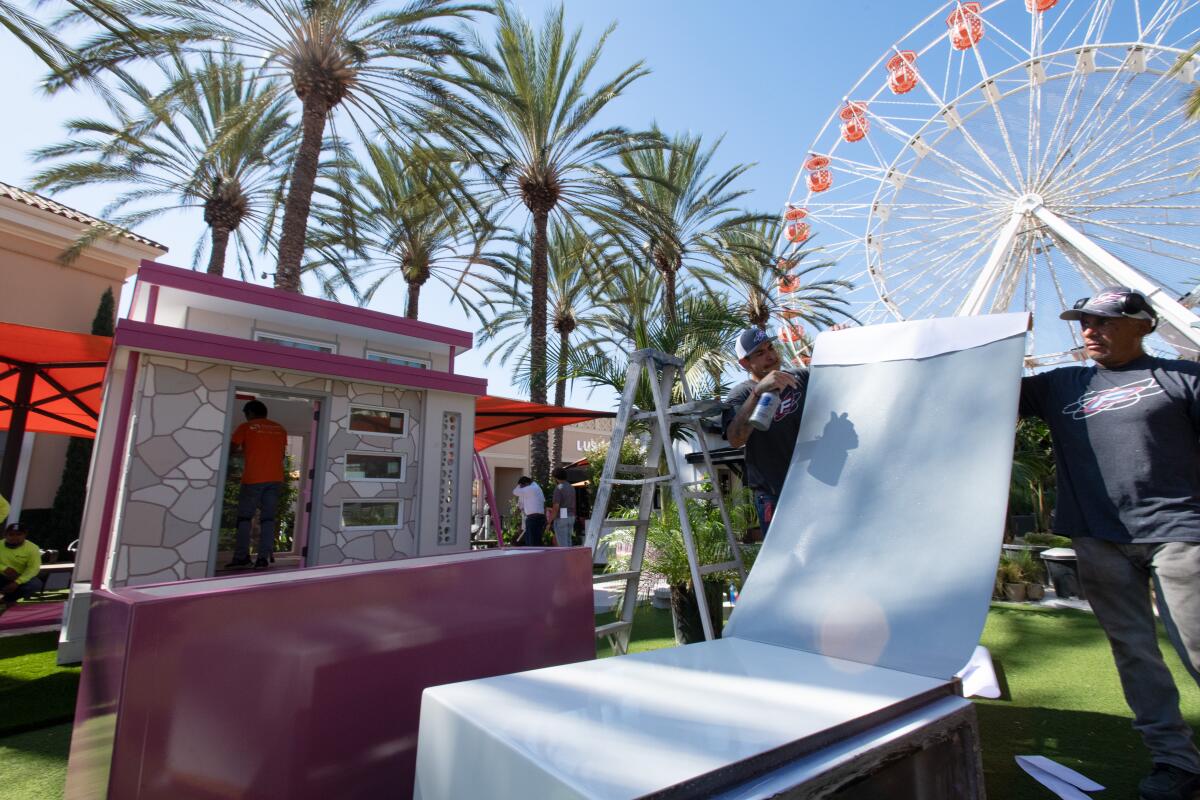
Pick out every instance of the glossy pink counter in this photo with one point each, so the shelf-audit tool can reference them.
(307, 684)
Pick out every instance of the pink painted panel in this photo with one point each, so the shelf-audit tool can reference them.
(224, 349)
(243, 292)
(309, 687)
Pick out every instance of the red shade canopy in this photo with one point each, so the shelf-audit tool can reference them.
(499, 419)
(62, 372)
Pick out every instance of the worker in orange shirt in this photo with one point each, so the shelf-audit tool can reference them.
(263, 443)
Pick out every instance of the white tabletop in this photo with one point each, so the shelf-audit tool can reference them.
(628, 726)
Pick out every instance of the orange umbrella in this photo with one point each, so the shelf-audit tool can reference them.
(50, 382)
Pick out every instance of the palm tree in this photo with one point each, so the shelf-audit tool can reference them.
(360, 54)
(686, 217)
(41, 40)
(399, 222)
(701, 333)
(575, 259)
(218, 138)
(525, 119)
(775, 287)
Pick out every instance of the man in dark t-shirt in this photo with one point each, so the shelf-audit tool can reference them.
(769, 452)
(1126, 435)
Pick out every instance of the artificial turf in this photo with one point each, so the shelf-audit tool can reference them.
(34, 690)
(1061, 699)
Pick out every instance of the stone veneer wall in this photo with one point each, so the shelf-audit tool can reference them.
(171, 492)
(178, 443)
(366, 544)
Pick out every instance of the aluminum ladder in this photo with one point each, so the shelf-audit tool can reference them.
(661, 372)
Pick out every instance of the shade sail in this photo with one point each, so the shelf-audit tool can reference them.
(499, 419)
(56, 375)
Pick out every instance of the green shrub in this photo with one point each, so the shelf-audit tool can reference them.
(1046, 539)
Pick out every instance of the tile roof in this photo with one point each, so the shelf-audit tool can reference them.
(46, 204)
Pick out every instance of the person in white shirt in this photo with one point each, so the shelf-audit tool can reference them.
(533, 505)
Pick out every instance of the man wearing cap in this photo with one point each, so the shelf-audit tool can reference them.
(1126, 436)
(20, 564)
(769, 452)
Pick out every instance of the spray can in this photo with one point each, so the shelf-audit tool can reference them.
(764, 412)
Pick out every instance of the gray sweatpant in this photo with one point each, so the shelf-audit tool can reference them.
(1115, 578)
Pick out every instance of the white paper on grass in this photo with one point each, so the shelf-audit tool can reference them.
(1063, 781)
(883, 545)
(979, 676)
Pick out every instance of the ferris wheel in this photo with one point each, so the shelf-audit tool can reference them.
(1013, 155)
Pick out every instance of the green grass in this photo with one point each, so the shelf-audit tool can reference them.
(1062, 700)
(33, 765)
(34, 690)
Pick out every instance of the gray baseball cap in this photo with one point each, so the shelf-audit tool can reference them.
(1112, 301)
(749, 339)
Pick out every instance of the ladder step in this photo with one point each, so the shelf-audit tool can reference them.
(613, 577)
(709, 569)
(624, 523)
(700, 495)
(639, 481)
(613, 627)
(637, 469)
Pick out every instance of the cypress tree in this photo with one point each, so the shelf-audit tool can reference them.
(67, 514)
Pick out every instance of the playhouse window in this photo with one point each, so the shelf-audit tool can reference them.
(371, 514)
(397, 361)
(374, 467)
(295, 342)
(385, 421)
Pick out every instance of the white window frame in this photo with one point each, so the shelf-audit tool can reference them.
(262, 336)
(378, 454)
(354, 405)
(381, 355)
(398, 502)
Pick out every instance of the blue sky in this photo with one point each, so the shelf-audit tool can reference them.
(766, 75)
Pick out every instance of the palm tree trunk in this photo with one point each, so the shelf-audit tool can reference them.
(669, 293)
(414, 299)
(539, 456)
(299, 200)
(216, 259)
(560, 398)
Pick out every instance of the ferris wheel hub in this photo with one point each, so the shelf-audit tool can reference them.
(1029, 203)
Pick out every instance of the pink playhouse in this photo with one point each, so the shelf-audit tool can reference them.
(194, 677)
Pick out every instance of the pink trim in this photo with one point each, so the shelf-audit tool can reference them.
(242, 292)
(224, 349)
(114, 468)
(485, 477)
(152, 303)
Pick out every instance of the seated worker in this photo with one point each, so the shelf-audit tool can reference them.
(20, 563)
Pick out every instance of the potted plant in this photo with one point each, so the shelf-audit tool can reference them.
(666, 558)
(1009, 575)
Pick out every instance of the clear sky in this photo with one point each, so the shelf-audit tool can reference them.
(765, 74)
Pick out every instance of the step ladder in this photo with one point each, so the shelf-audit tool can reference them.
(660, 371)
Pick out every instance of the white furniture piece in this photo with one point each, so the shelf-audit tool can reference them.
(836, 673)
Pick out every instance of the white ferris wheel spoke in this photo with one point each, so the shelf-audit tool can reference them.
(946, 200)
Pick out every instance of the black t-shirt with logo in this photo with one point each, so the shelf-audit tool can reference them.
(769, 452)
(1126, 448)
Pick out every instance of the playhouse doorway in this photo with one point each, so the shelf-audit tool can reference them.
(300, 416)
